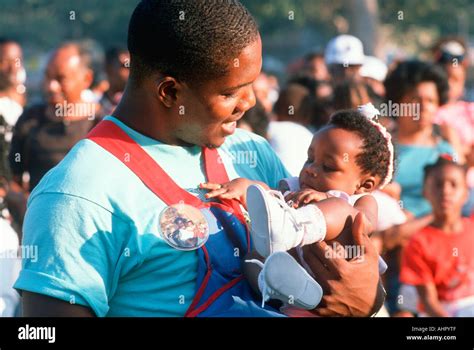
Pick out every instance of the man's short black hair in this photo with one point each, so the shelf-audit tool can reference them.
(191, 40)
(407, 75)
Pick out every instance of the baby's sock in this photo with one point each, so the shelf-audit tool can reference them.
(314, 224)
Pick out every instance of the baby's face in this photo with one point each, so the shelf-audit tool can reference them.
(331, 163)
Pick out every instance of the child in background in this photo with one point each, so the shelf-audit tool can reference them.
(439, 260)
(349, 158)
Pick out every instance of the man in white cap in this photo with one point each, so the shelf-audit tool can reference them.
(344, 56)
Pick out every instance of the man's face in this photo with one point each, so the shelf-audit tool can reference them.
(446, 190)
(209, 112)
(11, 62)
(331, 163)
(65, 77)
(341, 73)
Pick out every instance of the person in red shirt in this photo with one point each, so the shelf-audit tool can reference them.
(439, 260)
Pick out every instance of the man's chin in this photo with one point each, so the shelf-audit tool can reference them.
(215, 143)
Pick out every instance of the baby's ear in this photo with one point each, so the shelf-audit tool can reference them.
(367, 185)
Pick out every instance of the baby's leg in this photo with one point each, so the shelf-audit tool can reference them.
(339, 216)
(275, 226)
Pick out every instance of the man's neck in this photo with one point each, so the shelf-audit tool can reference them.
(138, 111)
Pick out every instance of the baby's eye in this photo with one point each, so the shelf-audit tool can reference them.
(308, 161)
(327, 168)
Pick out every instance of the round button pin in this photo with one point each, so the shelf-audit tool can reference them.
(183, 227)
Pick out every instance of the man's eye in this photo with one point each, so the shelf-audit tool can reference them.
(230, 95)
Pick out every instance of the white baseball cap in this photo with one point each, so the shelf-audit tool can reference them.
(344, 49)
(374, 68)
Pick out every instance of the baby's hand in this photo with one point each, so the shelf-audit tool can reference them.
(305, 196)
(235, 189)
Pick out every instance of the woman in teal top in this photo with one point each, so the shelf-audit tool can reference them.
(419, 89)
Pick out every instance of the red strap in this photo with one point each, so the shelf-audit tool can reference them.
(216, 173)
(112, 138)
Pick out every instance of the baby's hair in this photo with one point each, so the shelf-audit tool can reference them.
(444, 160)
(376, 158)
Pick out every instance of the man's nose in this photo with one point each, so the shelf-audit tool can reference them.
(248, 100)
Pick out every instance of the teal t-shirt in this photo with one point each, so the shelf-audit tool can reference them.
(410, 173)
(96, 226)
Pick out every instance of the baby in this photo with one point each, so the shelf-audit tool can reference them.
(349, 158)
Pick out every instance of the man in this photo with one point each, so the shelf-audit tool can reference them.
(344, 56)
(47, 131)
(117, 63)
(184, 97)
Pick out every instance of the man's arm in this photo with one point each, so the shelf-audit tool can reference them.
(38, 305)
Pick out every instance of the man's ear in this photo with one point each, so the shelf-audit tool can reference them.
(167, 90)
(367, 185)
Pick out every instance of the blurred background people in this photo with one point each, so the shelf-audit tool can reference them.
(12, 95)
(117, 63)
(45, 132)
(344, 56)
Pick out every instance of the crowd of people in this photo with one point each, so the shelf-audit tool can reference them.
(423, 228)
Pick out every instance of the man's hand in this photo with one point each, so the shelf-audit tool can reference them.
(235, 189)
(351, 288)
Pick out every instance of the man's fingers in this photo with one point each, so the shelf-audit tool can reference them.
(358, 229)
(215, 193)
(323, 312)
(210, 186)
(229, 195)
(314, 255)
(330, 258)
(359, 226)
